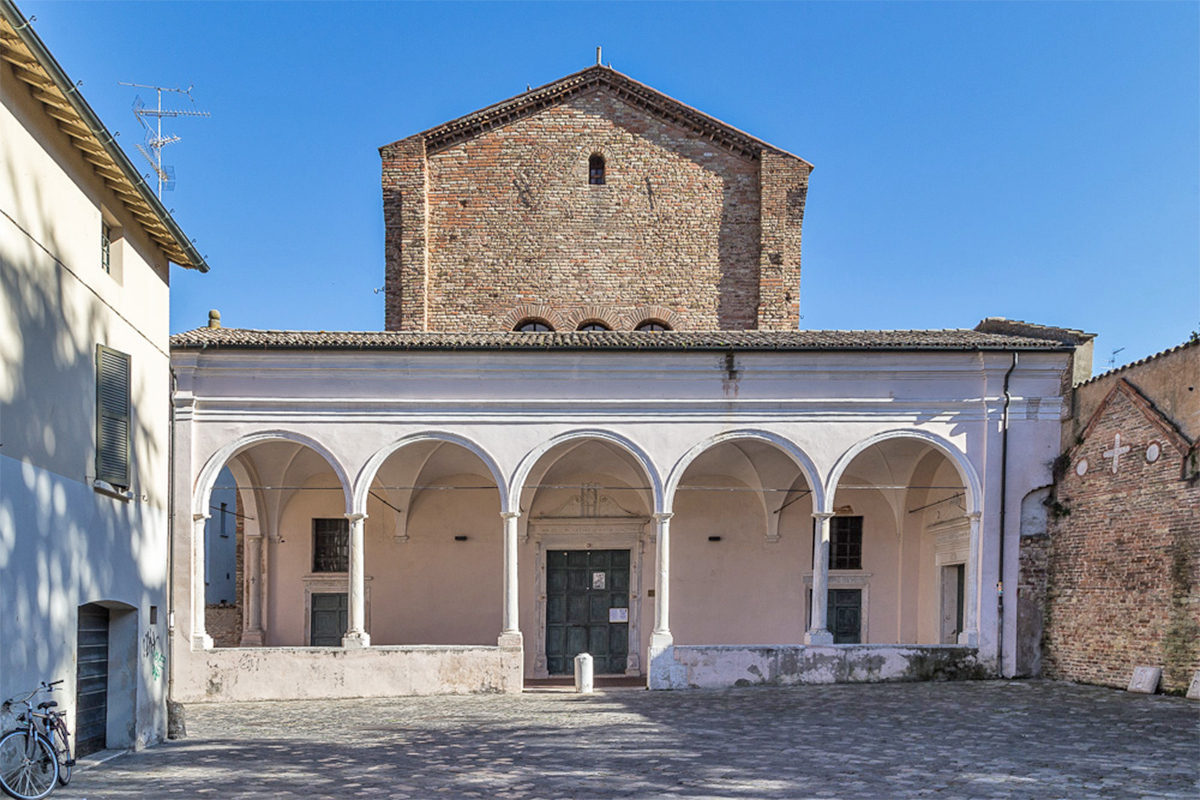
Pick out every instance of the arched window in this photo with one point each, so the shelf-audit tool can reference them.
(653, 325)
(596, 170)
(593, 326)
(533, 326)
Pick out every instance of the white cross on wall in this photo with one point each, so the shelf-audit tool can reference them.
(1116, 452)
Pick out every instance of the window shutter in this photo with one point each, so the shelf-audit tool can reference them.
(112, 416)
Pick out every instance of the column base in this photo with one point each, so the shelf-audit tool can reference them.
(202, 641)
(969, 638)
(818, 636)
(356, 640)
(511, 640)
(661, 640)
(253, 638)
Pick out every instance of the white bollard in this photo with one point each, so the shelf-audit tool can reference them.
(583, 674)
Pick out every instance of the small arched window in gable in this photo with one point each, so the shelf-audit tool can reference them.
(594, 326)
(533, 326)
(596, 170)
(653, 326)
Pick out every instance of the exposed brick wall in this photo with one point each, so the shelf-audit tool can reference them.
(1124, 563)
(507, 219)
(224, 622)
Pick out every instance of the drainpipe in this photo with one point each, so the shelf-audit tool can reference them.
(1003, 516)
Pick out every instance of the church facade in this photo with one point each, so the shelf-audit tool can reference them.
(592, 425)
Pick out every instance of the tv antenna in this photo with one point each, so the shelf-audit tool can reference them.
(155, 141)
(1112, 359)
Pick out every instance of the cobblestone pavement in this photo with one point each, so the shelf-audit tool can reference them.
(1028, 739)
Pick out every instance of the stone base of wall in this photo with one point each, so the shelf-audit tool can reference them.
(721, 666)
(304, 673)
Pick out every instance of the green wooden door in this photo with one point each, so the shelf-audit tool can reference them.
(328, 620)
(587, 609)
(845, 615)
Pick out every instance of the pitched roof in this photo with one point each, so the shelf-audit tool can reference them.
(33, 64)
(1032, 329)
(595, 77)
(941, 340)
(1155, 417)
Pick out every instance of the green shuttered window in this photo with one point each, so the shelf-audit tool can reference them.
(112, 416)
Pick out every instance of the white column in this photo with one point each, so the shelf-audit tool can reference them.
(969, 635)
(356, 635)
(252, 631)
(200, 639)
(818, 631)
(510, 635)
(661, 637)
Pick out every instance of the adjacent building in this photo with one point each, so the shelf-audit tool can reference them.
(85, 249)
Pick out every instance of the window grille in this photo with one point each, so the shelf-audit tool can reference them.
(594, 326)
(533, 326)
(331, 545)
(105, 247)
(845, 543)
(596, 170)
(112, 416)
(653, 326)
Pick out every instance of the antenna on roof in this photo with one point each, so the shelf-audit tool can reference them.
(1112, 358)
(597, 56)
(155, 141)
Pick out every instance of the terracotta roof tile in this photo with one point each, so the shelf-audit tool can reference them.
(955, 339)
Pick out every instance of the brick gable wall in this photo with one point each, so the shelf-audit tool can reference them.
(1123, 566)
(506, 219)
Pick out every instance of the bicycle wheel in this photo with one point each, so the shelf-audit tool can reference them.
(28, 770)
(62, 747)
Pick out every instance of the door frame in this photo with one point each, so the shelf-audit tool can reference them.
(590, 533)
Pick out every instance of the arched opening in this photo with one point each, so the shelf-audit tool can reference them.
(593, 326)
(740, 544)
(532, 325)
(903, 505)
(433, 546)
(596, 170)
(586, 556)
(280, 506)
(653, 326)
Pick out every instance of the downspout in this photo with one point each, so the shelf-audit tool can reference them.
(174, 717)
(1003, 515)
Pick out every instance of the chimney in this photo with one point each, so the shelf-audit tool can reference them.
(214, 319)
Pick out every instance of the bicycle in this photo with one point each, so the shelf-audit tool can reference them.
(36, 756)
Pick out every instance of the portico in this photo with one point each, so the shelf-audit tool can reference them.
(742, 513)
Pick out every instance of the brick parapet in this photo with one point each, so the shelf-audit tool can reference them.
(405, 218)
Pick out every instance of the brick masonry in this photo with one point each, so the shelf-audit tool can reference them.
(505, 220)
(1122, 560)
(224, 622)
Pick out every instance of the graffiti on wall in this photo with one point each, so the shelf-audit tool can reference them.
(153, 653)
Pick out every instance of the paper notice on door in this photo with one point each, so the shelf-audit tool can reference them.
(597, 580)
(618, 615)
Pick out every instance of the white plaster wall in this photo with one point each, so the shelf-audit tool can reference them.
(512, 404)
(61, 543)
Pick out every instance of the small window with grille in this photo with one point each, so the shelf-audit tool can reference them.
(596, 170)
(533, 326)
(106, 240)
(331, 545)
(653, 325)
(594, 326)
(845, 542)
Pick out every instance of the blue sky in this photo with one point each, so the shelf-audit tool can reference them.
(1037, 161)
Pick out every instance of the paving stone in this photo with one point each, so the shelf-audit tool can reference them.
(1011, 739)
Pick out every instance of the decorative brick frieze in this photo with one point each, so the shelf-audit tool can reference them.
(593, 313)
(659, 314)
(535, 311)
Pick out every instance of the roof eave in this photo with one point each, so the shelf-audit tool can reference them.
(101, 135)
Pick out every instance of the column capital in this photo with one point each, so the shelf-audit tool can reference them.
(663, 516)
(356, 517)
(199, 517)
(824, 514)
(510, 514)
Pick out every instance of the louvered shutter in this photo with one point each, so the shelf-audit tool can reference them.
(112, 416)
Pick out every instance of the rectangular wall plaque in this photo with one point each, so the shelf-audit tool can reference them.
(618, 615)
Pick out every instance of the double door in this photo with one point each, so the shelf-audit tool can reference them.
(587, 610)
